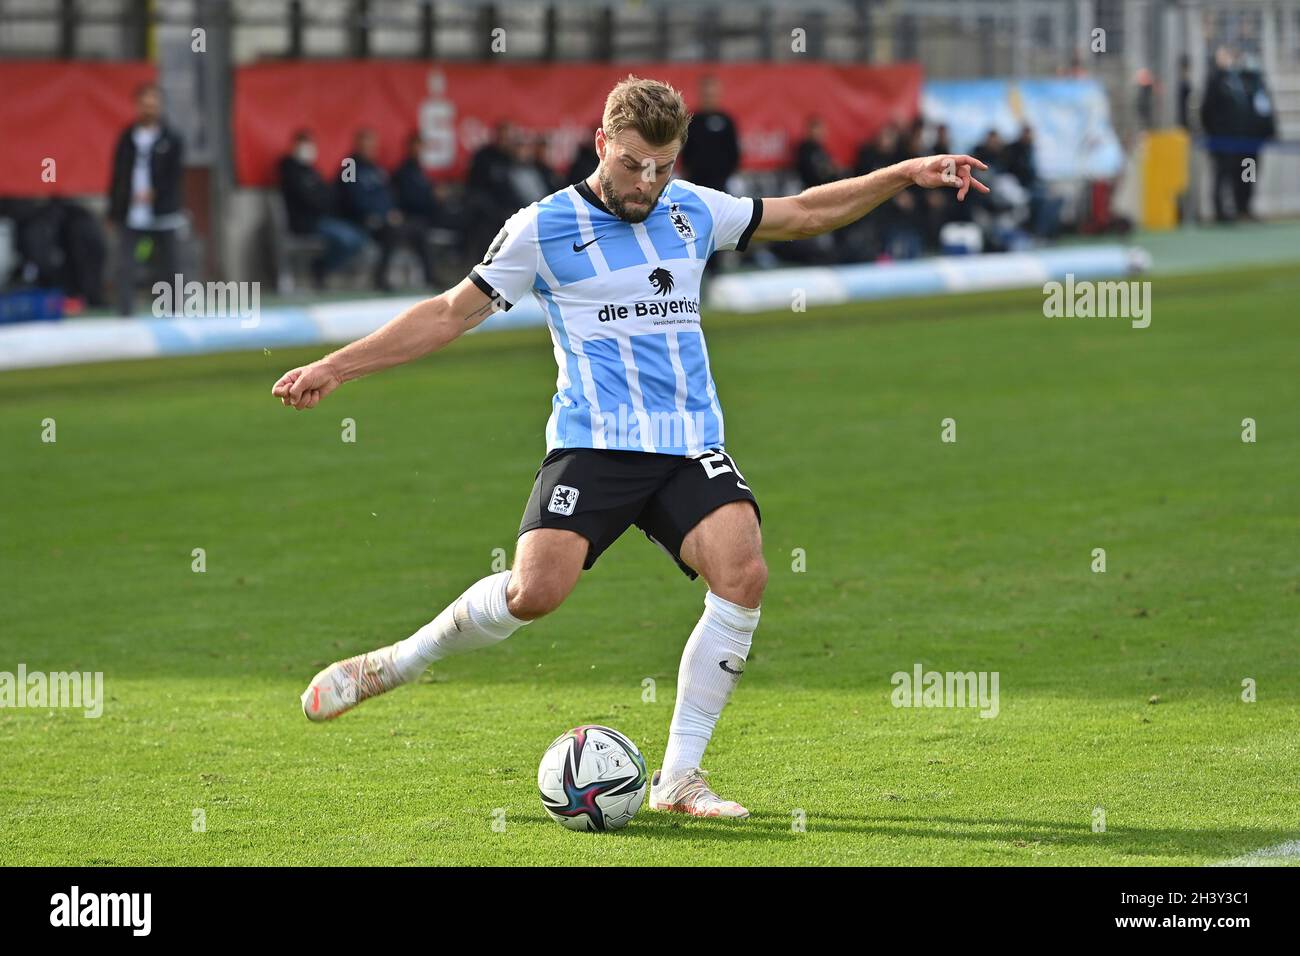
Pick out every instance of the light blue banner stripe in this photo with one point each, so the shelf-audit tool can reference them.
(71, 341)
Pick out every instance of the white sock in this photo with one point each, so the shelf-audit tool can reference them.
(722, 636)
(478, 618)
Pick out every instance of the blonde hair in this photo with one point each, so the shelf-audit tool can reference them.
(649, 107)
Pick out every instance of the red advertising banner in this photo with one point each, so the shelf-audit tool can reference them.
(59, 122)
(455, 106)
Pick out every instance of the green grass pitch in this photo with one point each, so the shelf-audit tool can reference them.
(1120, 690)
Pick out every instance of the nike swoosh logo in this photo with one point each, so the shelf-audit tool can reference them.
(579, 248)
(723, 665)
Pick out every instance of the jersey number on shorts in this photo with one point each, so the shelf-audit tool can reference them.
(717, 463)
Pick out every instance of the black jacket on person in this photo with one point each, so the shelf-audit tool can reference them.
(1018, 157)
(1237, 105)
(414, 191)
(307, 197)
(368, 200)
(165, 169)
(584, 164)
(1262, 121)
(489, 174)
(1224, 108)
(813, 164)
(712, 150)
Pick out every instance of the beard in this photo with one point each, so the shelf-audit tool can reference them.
(628, 212)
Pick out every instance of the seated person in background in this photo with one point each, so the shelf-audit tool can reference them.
(367, 201)
(584, 161)
(906, 237)
(489, 193)
(814, 166)
(417, 198)
(939, 210)
(530, 178)
(310, 204)
(1044, 209)
(992, 150)
(1002, 217)
(896, 230)
(412, 188)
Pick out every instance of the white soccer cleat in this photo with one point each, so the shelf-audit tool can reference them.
(686, 792)
(344, 684)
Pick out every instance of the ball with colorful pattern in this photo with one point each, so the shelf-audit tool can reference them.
(592, 778)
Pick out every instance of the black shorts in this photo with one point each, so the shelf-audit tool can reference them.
(600, 493)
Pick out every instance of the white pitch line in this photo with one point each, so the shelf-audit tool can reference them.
(1283, 854)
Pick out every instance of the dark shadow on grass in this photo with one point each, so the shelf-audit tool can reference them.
(1010, 833)
(1125, 840)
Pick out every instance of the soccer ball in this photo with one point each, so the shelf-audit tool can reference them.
(592, 778)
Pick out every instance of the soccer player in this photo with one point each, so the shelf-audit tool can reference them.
(636, 429)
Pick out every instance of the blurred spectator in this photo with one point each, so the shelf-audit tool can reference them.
(489, 169)
(414, 192)
(1184, 104)
(811, 160)
(144, 194)
(367, 200)
(712, 150)
(1002, 213)
(541, 149)
(425, 207)
(991, 149)
(584, 161)
(1146, 98)
(489, 193)
(530, 178)
(1044, 209)
(59, 245)
(879, 152)
(942, 140)
(909, 213)
(1237, 114)
(311, 207)
(1018, 157)
(1261, 126)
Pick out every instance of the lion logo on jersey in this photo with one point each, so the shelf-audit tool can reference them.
(662, 280)
(680, 222)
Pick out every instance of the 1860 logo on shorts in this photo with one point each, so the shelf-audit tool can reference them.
(563, 500)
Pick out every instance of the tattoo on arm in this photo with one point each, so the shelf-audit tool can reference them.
(487, 309)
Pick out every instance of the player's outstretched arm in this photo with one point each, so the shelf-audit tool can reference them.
(421, 329)
(820, 209)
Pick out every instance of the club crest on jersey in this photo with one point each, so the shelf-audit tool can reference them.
(662, 280)
(681, 222)
(563, 500)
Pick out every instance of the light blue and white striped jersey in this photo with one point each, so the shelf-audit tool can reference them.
(623, 304)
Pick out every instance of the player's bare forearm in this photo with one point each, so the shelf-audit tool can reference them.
(423, 328)
(831, 206)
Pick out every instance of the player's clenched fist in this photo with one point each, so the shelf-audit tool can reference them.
(304, 387)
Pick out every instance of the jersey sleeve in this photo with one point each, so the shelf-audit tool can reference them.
(734, 217)
(509, 268)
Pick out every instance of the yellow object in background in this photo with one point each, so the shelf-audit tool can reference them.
(1165, 158)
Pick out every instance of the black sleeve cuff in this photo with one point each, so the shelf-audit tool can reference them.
(486, 288)
(754, 220)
